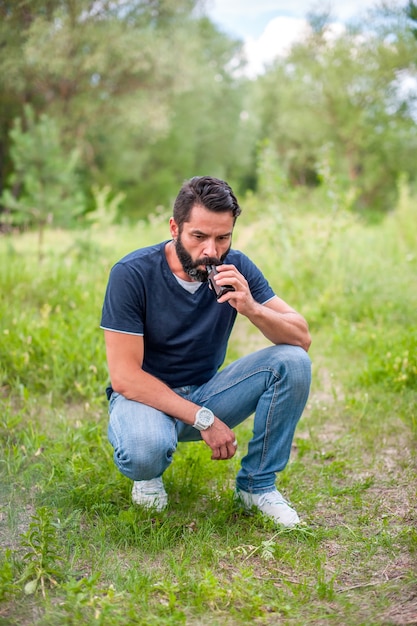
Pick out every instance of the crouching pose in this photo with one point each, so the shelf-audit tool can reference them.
(167, 316)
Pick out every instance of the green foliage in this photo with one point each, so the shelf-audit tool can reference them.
(106, 206)
(145, 93)
(392, 361)
(166, 99)
(7, 585)
(205, 133)
(43, 188)
(38, 351)
(411, 13)
(83, 604)
(345, 93)
(42, 557)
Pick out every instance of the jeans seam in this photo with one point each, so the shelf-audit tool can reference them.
(267, 429)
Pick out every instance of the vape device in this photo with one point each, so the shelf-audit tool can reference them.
(218, 290)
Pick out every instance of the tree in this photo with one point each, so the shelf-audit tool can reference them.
(207, 133)
(344, 93)
(115, 77)
(44, 187)
(411, 13)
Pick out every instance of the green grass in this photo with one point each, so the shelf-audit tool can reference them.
(74, 548)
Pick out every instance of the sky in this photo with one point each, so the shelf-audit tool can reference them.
(268, 27)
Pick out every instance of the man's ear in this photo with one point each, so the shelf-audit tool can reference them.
(173, 228)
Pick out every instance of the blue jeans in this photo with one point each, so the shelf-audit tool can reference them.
(273, 384)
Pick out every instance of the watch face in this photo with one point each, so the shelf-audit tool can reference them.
(204, 418)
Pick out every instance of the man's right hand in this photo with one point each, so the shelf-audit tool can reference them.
(221, 440)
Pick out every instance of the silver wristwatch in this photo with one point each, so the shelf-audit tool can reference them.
(203, 418)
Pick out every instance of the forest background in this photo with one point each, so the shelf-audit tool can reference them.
(105, 108)
(127, 99)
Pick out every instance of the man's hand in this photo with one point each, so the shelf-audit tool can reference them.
(221, 440)
(279, 322)
(241, 298)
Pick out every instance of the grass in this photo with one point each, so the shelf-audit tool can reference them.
(76, 551)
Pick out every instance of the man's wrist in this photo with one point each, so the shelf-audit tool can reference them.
(204, 418)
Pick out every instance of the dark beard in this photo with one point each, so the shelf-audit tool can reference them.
(190, 267)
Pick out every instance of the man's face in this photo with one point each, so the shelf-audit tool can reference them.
(204, 240)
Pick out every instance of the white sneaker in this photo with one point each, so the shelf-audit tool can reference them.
(272, 504)
(150, 494)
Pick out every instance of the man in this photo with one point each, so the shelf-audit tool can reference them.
(166, 336)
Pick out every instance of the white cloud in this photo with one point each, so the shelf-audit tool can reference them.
(268, 27)
(277, 38)
(275, 41)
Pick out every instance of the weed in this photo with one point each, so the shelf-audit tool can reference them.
(7, 585)
(43, 562)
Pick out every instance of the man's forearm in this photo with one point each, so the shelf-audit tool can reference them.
(281, 328)
(143, 387)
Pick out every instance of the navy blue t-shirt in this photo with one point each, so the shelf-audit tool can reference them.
(185, 334)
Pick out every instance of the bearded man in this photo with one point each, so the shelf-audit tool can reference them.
(167, 316)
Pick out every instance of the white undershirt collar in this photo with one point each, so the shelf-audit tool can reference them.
(190, 286)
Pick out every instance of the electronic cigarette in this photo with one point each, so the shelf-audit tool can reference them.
(219, 290)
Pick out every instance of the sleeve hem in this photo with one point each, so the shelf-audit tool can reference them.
(123, 332)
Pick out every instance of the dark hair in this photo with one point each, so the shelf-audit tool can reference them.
(211, 193)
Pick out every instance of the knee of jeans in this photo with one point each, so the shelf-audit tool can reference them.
(294, 363)
(143, 459)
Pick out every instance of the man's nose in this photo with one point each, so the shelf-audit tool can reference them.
(210, 248)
